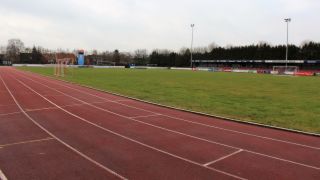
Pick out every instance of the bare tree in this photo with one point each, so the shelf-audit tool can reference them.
(200, 50)
(140, 56)
(3, 50)
(140, 53)
(14, 48)
(183, 50)
(212, 46)
(126, 58)
(94, 52)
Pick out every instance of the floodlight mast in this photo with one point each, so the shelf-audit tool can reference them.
(191, 49)
(287, 20)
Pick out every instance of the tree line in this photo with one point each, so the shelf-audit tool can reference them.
(16, 52)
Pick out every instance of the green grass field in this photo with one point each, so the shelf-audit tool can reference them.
(289, 102)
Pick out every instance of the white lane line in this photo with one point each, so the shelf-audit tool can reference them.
(125, 137)
(39, 109)
(48, 108)
(178, 132)
(181, 119)
(151, 115)
(27, 142)
(222, 158)
(4, 105)
(50, 95)
(2, 176)
(80, 104)
(61, 141)
(123, 100)
(8, 114)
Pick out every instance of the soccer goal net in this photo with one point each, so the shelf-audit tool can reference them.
(285, 70)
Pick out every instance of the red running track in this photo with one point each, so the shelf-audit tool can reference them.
(51, 129)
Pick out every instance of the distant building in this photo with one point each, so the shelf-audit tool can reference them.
(72, 57)
(4, 61)
(259, 64)
(48, 58)
(100, 60)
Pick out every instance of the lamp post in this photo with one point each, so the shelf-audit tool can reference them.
(191, 50)
(287, 20)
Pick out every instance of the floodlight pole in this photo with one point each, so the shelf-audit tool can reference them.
(191, 50)
(287, 20)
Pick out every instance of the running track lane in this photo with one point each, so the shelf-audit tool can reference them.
(283, 162)
(131, 158)
(241, 162)
(27, 152)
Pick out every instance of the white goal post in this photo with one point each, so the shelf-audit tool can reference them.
(285, 70)
(62, 63)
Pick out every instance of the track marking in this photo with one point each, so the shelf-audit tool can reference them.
(48, 108)
(152, 115)
(39, 109)
(26, 142)
(2, 176)
(239, 132)
(80, 104)
(177, 132)
(61, 141)
(4, 105)
(8, 114)
(46, 95)
(123, 100)
(181, 119)
(224, 157)
(128, 138)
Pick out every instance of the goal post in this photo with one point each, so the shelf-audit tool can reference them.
(60, 68)
(285, 70)
(62, 63)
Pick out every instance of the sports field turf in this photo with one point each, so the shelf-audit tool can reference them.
(289, 102)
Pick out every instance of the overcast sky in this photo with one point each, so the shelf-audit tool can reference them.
(131, 24)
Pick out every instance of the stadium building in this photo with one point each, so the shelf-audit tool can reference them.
(311, 65)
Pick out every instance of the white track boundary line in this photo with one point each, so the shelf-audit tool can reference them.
(38, 109)
(222, 158)
(202, 124)
(192, 122)
(2, 176)
(128, 138)
(146, 116)
(58, 139)
(177, 132)
(26, 142)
